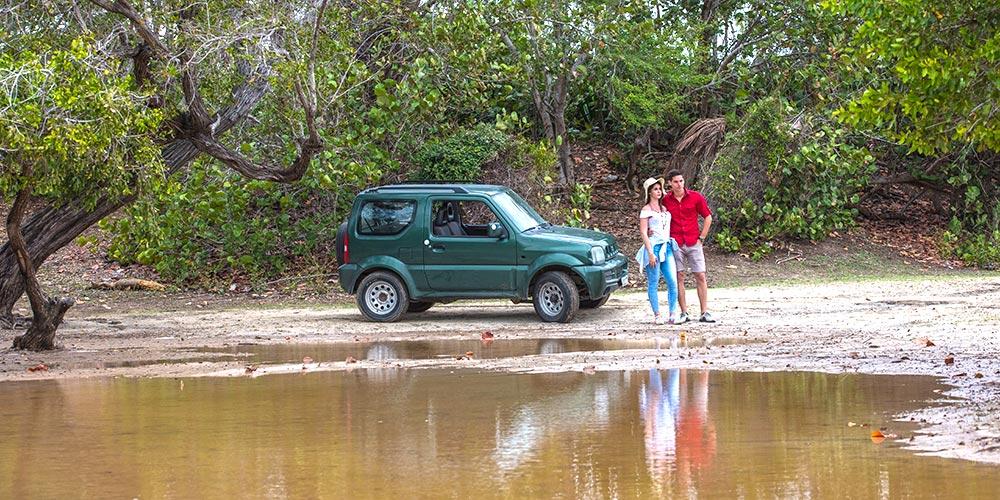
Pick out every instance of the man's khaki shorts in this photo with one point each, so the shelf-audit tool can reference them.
(690, 259)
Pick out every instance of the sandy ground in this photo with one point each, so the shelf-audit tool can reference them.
(943, 327)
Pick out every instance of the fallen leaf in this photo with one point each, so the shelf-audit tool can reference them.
(487, 335)
(351, 359)
(250, 369)
(40, 367)
(949, 359)
(929, 343)
(877, 436)
(979, 375)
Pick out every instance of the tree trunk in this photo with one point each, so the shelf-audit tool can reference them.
(47, 313)
(567, 168)
(55, 226)
(639, 146)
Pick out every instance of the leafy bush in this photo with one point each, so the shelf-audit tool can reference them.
(777, 177)
(218, 225)
(973, 235)
(460, 157)
(579, 205)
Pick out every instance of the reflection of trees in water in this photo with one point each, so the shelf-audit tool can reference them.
(581, 404)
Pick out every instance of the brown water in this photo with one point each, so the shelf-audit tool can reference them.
(433, 433)
(429, 349)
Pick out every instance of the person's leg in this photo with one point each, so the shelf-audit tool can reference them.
(668, 268)
(679, 261)
(697, 260)
(702, 283)
(652, 282)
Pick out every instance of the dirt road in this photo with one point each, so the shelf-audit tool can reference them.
(944, 327)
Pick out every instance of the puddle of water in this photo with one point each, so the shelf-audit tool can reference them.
(374, 433)
(504, 348)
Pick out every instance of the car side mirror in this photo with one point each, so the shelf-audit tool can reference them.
(496, 230)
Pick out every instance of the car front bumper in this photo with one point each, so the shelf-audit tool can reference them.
(606, 278)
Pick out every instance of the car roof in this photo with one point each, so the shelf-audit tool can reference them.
(437, 188)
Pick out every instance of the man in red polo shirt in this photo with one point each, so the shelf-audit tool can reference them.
(685, 206)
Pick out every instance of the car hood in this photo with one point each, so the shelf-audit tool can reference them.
(572, 235)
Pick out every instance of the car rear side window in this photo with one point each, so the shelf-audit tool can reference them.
(385, 217)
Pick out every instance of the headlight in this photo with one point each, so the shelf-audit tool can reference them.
(597, 255)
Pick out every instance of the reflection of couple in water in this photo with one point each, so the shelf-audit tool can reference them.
(679, 433)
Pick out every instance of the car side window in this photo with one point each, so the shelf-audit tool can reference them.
(386, 217)
(461, 218)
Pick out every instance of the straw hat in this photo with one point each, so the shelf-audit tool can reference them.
(649, 183)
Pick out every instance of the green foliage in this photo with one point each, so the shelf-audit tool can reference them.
(214, 224)
(461, 156)
(579, 205)
(973, 234)
(930, 69)
(82, 127)
(780, 175)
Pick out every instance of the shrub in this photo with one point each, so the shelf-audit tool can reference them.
(461, 156)
(216, 226)
(777, 177)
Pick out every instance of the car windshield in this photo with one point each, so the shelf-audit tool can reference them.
(519, 211)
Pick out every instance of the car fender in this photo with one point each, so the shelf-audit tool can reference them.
(547, 261)
(387, 263)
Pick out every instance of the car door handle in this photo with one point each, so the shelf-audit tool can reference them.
(437, 248)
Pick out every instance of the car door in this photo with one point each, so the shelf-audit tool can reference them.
(460, 257)
(386, 228)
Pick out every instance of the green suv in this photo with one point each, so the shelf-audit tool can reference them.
(407, 246)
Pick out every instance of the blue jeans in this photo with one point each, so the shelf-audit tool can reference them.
(667, 269)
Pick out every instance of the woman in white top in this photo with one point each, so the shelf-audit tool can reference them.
(656, 255)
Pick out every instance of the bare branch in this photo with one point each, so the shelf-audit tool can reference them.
(125, 9)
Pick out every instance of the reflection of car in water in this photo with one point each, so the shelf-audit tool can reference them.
(551, 346)
(380, 352)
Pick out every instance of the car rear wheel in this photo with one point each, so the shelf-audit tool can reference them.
(382, 297)
(594, 303)
(419, 306)
(556, 298)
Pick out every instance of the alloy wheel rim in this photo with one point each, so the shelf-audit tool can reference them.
(381, 297)
(552, 299)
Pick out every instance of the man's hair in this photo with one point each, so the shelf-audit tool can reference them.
(673, 173)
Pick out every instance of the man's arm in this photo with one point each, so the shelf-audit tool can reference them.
(704, 228)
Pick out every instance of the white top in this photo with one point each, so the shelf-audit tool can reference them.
(659, 224)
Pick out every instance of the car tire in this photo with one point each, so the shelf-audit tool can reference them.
(556, 298)
(382, 297)
(419, 306)
(594, 303)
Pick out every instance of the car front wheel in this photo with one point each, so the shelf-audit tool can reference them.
(556, 298)
(382, 297)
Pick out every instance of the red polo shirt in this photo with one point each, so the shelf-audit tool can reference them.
(684, 216)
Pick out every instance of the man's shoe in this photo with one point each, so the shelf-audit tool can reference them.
(683, 318)
(706, 317)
